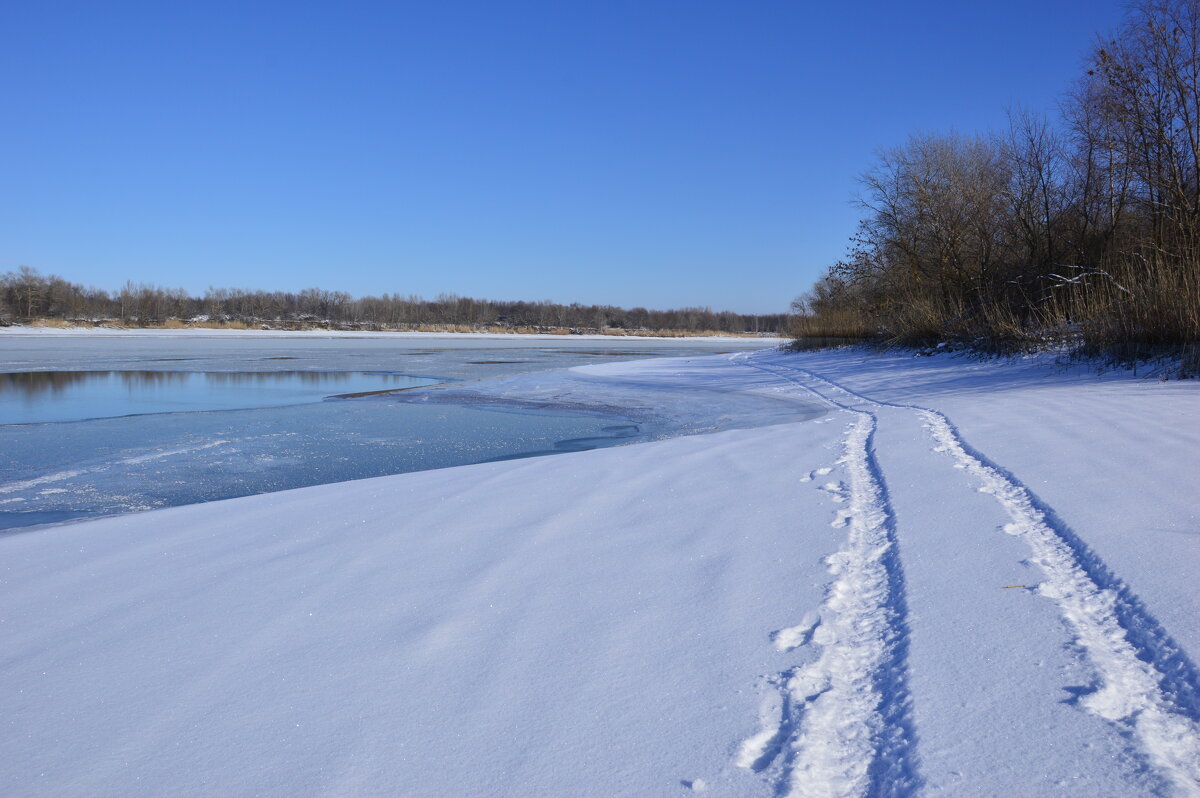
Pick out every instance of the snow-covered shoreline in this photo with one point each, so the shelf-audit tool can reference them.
(203, 332)
(965, 578)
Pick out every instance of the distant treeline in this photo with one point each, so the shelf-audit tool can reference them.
(1083, 228)
(27, 295)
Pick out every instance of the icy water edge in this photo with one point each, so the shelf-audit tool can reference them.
(119, 425)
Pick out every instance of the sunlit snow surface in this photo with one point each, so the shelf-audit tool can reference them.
(226, 416)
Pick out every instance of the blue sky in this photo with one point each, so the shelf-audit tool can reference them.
(635, 153)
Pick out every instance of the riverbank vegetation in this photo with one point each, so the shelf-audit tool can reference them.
(1082, 229)
(27, 296)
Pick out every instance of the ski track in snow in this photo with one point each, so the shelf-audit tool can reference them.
(840, 725)
(1147, 685)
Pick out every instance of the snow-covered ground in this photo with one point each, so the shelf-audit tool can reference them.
(965, 578)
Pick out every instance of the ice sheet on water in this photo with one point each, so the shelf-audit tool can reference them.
(118, 465)
(456, 357)
(52, 472)
(33, 397)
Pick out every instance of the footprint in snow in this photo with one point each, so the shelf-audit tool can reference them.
(793, 637)
(836, 490)
(842, 519)
(820, 472)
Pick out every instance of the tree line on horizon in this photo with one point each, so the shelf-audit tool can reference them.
(1084, 228)
(27, 295)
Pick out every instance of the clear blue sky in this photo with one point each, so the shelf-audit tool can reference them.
(636, 153)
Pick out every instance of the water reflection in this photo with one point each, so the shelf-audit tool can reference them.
(40, 396)
(32, 383)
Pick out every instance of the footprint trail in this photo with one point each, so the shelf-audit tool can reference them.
(839, 725)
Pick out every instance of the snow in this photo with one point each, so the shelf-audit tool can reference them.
(960, 578)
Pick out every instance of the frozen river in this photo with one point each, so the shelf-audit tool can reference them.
(93, 424)
(31, 397)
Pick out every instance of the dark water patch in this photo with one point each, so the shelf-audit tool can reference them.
(17, 520)
(616, 433)
(602, 352)
(493, 362)
(380, 392)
